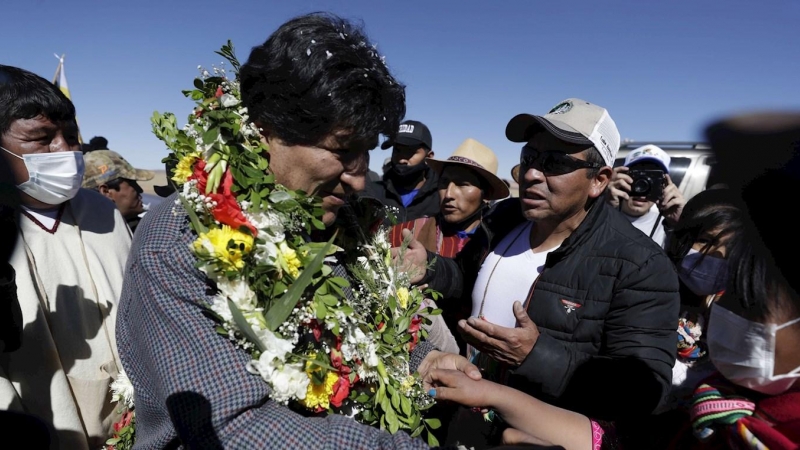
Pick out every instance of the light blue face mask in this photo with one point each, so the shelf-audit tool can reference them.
(708, 277)
(53, 177)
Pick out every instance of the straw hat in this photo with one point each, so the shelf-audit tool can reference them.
(515, 173)
(479, 158)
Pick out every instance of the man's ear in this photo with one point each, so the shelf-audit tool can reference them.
(430, 154)
(105, 191)
(600, 181)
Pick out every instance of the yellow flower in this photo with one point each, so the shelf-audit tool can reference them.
(290, 258)
(319, 395)
(184, 168)
(225, 244)
(402, 297)
(407, 383)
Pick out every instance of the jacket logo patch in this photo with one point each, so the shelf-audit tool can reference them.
(570, 306)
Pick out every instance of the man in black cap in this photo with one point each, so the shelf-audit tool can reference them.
(409, 185)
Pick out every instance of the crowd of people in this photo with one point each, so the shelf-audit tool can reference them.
(582, 314)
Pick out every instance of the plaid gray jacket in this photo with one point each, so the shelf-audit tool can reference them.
(190, 383)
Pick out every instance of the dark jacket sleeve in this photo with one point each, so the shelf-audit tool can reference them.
(639, 346)
(445, 275)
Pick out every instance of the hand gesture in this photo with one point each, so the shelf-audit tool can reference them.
(671, 203)
(436, 360)
(507, 345)
(619, 187)
(415, 259)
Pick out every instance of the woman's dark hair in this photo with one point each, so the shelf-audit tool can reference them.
(763, 260)
(317, 74)
(718, 210)
(25, 95)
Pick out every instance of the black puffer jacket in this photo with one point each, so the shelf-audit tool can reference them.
(606, 305)
(425, 204)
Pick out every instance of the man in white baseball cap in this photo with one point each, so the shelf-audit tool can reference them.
(643, 190)
(570, 302)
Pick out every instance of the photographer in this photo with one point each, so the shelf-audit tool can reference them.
(644, 192)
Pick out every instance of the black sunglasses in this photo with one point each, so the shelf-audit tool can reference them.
(552, 162)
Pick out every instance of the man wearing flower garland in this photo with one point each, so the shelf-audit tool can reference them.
(320, 96)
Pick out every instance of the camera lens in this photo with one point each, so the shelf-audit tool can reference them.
(640, 187)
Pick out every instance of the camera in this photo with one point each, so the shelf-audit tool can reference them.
(648, 184)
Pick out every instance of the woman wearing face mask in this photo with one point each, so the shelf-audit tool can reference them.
(699, 244)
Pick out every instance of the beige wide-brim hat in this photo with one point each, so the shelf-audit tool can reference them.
(479, 158)
(515, 173)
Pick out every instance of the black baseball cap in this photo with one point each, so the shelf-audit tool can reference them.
(411, 133)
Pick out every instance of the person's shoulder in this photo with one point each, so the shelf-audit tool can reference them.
(161, 227)
(629, 241)
(89, 198)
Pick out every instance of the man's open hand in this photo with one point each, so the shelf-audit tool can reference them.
(507, 345)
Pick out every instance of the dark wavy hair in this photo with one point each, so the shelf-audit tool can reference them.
(318, 74)
(762, 263)
(25, 95)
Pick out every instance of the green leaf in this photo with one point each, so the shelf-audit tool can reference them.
(432, 441)
(244, 327)
(405, 405)
(395, 400)
(282, 307)
(211, 135)
(433, 423)
(417, 431)
(198, 83)
(322, 311)
(391, 420)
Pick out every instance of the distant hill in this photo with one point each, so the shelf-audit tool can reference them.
(159, 180)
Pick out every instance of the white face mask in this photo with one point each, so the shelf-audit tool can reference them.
(744, 351)
(53, 178)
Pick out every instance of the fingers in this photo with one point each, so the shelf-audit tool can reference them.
(463, 365)
(523, 319)
(445, 377)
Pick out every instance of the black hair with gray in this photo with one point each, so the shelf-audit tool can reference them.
(318, 74)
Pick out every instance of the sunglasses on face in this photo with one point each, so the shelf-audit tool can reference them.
(552, 162)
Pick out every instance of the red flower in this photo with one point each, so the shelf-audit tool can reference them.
(218, 94)
(336, 359)
(341, 389)
(380, 326)
(316, 328)
(413, 328)
(227, 211)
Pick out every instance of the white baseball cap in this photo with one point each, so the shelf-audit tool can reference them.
(650, 153)
(572, 120)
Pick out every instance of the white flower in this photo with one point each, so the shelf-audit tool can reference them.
(228, 100)
(238, 292)
(275, 346)
(288, 381)
(122, 390)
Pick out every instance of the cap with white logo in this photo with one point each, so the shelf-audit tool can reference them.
(411, 133)
(572, 120)
(649, 153)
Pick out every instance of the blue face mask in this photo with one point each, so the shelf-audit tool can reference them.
(706, 278)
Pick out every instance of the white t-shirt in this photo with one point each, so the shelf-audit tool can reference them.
(646, 222)
(506, 276)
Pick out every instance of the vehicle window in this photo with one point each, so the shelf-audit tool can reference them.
(677, 168)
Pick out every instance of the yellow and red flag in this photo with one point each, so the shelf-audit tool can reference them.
(60, 80)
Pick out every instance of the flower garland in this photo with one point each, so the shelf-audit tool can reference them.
(324, 343)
